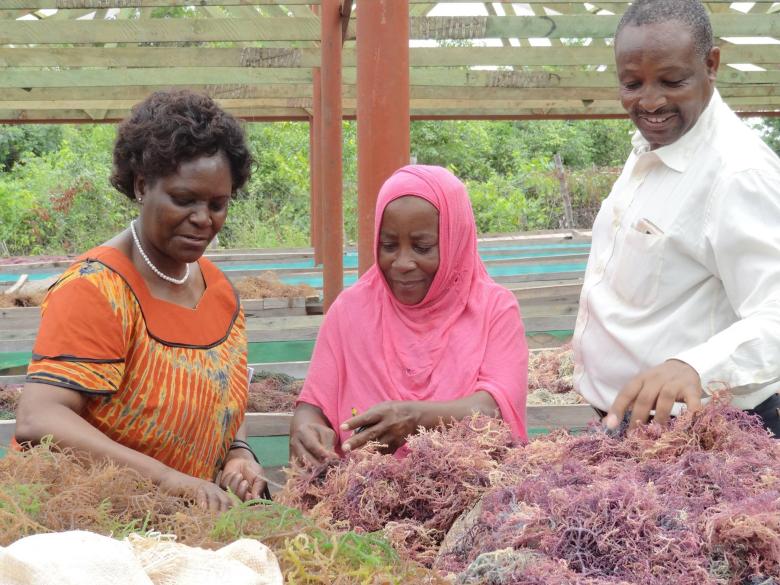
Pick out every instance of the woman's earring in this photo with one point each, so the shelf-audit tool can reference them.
(140, 200)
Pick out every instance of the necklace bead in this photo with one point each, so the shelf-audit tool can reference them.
(154, 268)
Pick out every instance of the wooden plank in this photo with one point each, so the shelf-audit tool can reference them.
(23, 32)
(517, 279)
(310, 57)
(517, 258)
(146, 57)
(71, 4)
(537, 417)
(552, 309)
(553, 105)
(139, 92)
(307, 29)
(546, 341)
(421, 8)
(155, 76)
(526, 79)
(573, 417)
(567, 26)
(243, 91)
(152, 76)
(547, 2)
(268, 114)
(548, 292)
(13, 379)
(295, 369)
(516, 56)
(442, 77)
(267, 424)
(256, 104)
(299, 109)
(65, 116)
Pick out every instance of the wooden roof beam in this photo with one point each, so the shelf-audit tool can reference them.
(345, 10)
(265, 57)
(237, 91)
(307, 29)
(21, 32)
(27, 78)
(71, 4)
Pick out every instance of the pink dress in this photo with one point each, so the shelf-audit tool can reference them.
(465, 336)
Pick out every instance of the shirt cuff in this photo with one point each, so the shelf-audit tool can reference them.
(709, 367)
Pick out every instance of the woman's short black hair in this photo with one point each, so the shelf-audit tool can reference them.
(172, 127)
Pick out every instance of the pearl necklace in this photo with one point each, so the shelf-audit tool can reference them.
(154, 268)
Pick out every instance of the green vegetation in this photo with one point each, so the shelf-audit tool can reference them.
(55, 196)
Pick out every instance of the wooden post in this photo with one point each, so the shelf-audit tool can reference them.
(567, 209)
(330, 153)
(315, 160)
(382, 107)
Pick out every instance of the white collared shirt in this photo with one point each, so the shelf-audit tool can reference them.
(685, 264)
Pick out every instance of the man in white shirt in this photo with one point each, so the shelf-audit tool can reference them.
(682, 291)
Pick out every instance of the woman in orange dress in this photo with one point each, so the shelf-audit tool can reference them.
(141, 352)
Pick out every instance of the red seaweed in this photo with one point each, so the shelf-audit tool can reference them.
(694, 503)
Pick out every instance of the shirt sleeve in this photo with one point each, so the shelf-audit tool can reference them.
(81, 343)
(504, 371)
(744, 251)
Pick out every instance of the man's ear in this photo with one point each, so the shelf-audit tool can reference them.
(713, 62)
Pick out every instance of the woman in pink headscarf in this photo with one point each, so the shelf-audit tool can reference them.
(424, 336)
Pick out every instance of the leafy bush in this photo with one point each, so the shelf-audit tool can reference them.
(56, 197)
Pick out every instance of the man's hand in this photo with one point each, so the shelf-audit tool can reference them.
(656, 389)
(388, 423)
(243, 477)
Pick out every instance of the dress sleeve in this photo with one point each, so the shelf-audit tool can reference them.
(744, 252)
(81, 342)
(322, 384)
(504, 371)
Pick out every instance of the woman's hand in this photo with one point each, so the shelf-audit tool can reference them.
(206, 494)
(388, 423)
(312, 440)
(243, 477)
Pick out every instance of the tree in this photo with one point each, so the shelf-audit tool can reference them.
(18, 140)
(770, 132)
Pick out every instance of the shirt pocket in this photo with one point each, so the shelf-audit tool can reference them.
(638, 267)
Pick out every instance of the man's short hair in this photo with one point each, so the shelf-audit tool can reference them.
(689, 12)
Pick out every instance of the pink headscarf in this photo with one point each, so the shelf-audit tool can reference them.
(466, 335)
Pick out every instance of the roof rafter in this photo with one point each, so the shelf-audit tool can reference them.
(88, 61)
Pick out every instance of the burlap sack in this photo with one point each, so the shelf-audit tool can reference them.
(243, 562)
(78, 558)
(70, 558)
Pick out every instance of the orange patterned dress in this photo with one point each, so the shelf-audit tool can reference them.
(165, 380)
